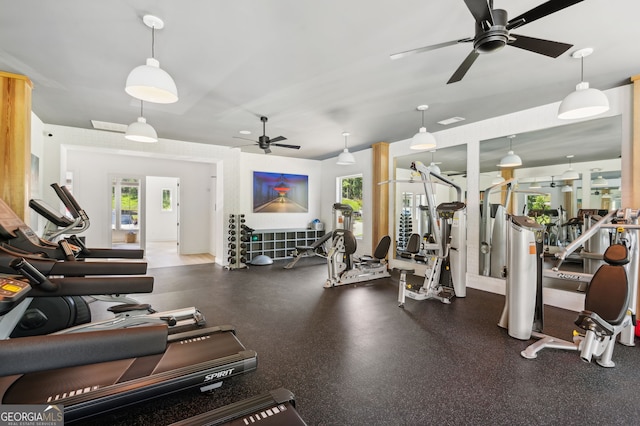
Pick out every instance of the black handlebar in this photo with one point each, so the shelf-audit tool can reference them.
(35, 277)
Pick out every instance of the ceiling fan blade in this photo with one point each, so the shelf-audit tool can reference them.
(549, 48)
(277, 139)
(245, 139)
(464, 67)
(540, 11)
(428, 48)
(480, 10)
(286, 146)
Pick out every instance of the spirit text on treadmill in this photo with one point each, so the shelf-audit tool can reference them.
(218, 375)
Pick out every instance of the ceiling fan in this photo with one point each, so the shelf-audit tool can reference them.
(264, 142)
(492, 33)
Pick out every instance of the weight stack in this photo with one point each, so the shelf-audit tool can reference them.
(237, 242)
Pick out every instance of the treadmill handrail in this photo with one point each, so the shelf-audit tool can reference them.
(34, 353)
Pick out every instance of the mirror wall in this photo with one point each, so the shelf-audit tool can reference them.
(596, 149)
(589, 150)
(410, 198)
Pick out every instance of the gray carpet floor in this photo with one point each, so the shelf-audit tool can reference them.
(352, 357)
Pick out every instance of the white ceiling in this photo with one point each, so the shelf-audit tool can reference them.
(315, 69)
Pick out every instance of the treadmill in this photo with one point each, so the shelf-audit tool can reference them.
(20, 237)
(75, 268)
(99, 371)
(274, 408)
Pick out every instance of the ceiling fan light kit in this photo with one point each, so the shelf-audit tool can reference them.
(345, 158)
(149, 82)
(585, 101)
(423, 139)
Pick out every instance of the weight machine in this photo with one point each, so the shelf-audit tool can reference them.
(446, 256)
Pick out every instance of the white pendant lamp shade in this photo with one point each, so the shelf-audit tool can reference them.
(345, 158)
(567, 188)
(141, 131)
(599, 182)
(570, 174)
(511, 159)
(433, 167)
(498, 179)
(149, 82)
(423, 139)
(585, 101)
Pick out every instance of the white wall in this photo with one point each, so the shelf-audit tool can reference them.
(36, 221)
(92, 176)
(96, 154)
(161, 225)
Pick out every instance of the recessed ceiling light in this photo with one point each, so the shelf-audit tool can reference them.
(245, 132)
(451, 120)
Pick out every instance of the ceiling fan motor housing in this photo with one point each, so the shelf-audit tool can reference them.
(490, 38)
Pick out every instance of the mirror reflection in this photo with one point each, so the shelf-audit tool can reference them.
(567, 173)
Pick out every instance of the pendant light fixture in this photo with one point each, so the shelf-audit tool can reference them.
(584, 102)
(433, 167)
(567, 188)
(570, 174)
(498, 179)
(423, 139)
(345, 158)
(140, 130)
(599, 182)
(149, 82)
(511, 159)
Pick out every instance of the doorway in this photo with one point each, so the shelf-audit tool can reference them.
(162, 215)
(126, 213)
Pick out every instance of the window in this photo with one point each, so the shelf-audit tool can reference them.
(166, 200)
(350, 188)
(124, 203)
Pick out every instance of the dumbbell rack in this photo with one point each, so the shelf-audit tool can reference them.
(237, 242)
(404, 229)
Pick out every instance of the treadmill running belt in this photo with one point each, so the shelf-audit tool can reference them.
(195, 361)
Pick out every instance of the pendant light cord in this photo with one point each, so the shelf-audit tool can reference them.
(153, 41)
(345, 142)
(582, 68)
(141, 111)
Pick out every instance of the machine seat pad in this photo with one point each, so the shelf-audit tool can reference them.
(616, 254)
(38, 353)
(382, 248)
(608, 294)
(588, 320)
(128, 307)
